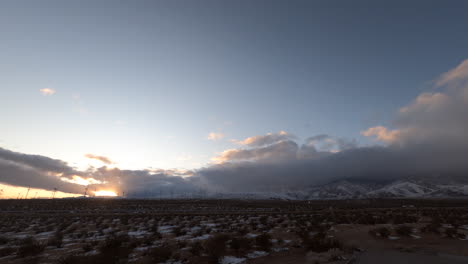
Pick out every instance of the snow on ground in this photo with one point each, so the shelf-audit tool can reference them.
(257, 254)
(232, 260)
(280, 249)
(165, 229)
(139, 233)
(203, 237)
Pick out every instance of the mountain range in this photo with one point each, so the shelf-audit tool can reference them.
(411, 187)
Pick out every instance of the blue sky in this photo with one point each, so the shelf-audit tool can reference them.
(145, 82)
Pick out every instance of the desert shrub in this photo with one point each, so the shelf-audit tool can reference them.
(177, 231)
(113, 250)
(87, 247)
(196, 248)
(124, 221)
(30, 247)
(381, 231)
(240, 243)
(56, 240)
(4, 240)
(6, 251)
(451, 232)
(432, 228)
(242, 231)
(198, 233)
(215, 247)
(404, 230)
(320, 243)
(263, 242)
(160, 254)
(181, 244)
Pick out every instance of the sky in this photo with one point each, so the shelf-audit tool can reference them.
(141, 86)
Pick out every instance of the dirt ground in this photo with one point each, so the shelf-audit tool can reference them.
(358, 236)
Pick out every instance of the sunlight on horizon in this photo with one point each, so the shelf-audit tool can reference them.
(105, 193)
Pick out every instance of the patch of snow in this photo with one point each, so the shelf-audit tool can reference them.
(232, 260)
(91, 253)
(280, 249)
(165, 229)
(203, 237)
(138, 233)
(257, 254)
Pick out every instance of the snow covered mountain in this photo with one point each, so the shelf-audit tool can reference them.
(407, 188)
(349, 189)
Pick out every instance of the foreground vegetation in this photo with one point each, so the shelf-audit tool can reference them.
(211, 231)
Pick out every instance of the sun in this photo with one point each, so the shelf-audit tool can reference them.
(105, 193)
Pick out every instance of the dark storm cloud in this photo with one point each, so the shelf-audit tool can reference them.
(18, 174)
(151, 183)
(36, 161)
(376, 163)
(325, 142)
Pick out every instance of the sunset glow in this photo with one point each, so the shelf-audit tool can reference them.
(105, 193)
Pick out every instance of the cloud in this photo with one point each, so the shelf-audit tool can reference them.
(280, 150)
(458, 75)
(47, 91)
(81, 180)
(147, 183)
(382, 134)
(38, 162)
(432, 118)
(102, 159)
(36, 171)
(329, 143)
(262, 140)
(215, 136)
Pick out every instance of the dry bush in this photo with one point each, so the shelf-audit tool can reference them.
(215, 247)
(160, 254)
(178, 231)
(381, 231)
(240, 244)
(6, 251)
(452, 233)
(4, 240)
(404, 230)
(29, 247)
(432, 227)
(196, 248)
(56, 240)
(320, 243)
(263, 242)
